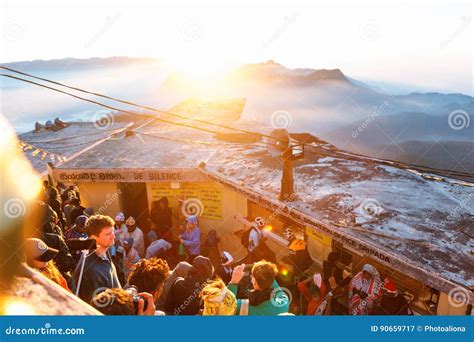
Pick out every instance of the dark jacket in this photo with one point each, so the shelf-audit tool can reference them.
(162, 218)
(183, 297)
(63, 260)
(98, 273)
(392, 305)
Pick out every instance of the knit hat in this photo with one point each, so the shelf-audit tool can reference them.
(192, 219)
(120, 217)
(389, 285)
(202, 267)
(80, 222)
(130, 221)
(36, 249)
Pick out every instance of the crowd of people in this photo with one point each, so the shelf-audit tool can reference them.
(120, 269)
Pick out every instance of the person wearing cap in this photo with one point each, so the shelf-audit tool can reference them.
(183, 297)
(392, 303)
(120, 229)
(77, 231)
(365, 291)
(218, 299)
(191, 238)
(136, 234)
(130, 256)
(97, 270)
(313, 290)
(40, 257)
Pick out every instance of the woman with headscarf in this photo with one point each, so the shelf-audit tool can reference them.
(365, 291)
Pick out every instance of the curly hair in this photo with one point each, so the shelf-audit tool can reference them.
(96, 223)
(264, 273)
(149, 274)
(212, 288)
(115, 301)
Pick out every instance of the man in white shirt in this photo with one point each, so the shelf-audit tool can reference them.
(137, 235)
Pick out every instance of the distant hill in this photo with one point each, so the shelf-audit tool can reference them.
(326, 103)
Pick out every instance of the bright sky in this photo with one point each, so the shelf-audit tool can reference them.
(417, 43)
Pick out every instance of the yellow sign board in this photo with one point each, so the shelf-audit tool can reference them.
(321, 238)
(209, 194)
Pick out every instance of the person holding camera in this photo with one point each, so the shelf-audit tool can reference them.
(149, 275)
(266, 298)
(97, 270)
(120, 302)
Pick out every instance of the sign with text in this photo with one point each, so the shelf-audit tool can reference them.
(128, 175)
(318, 236)
(209, 194)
